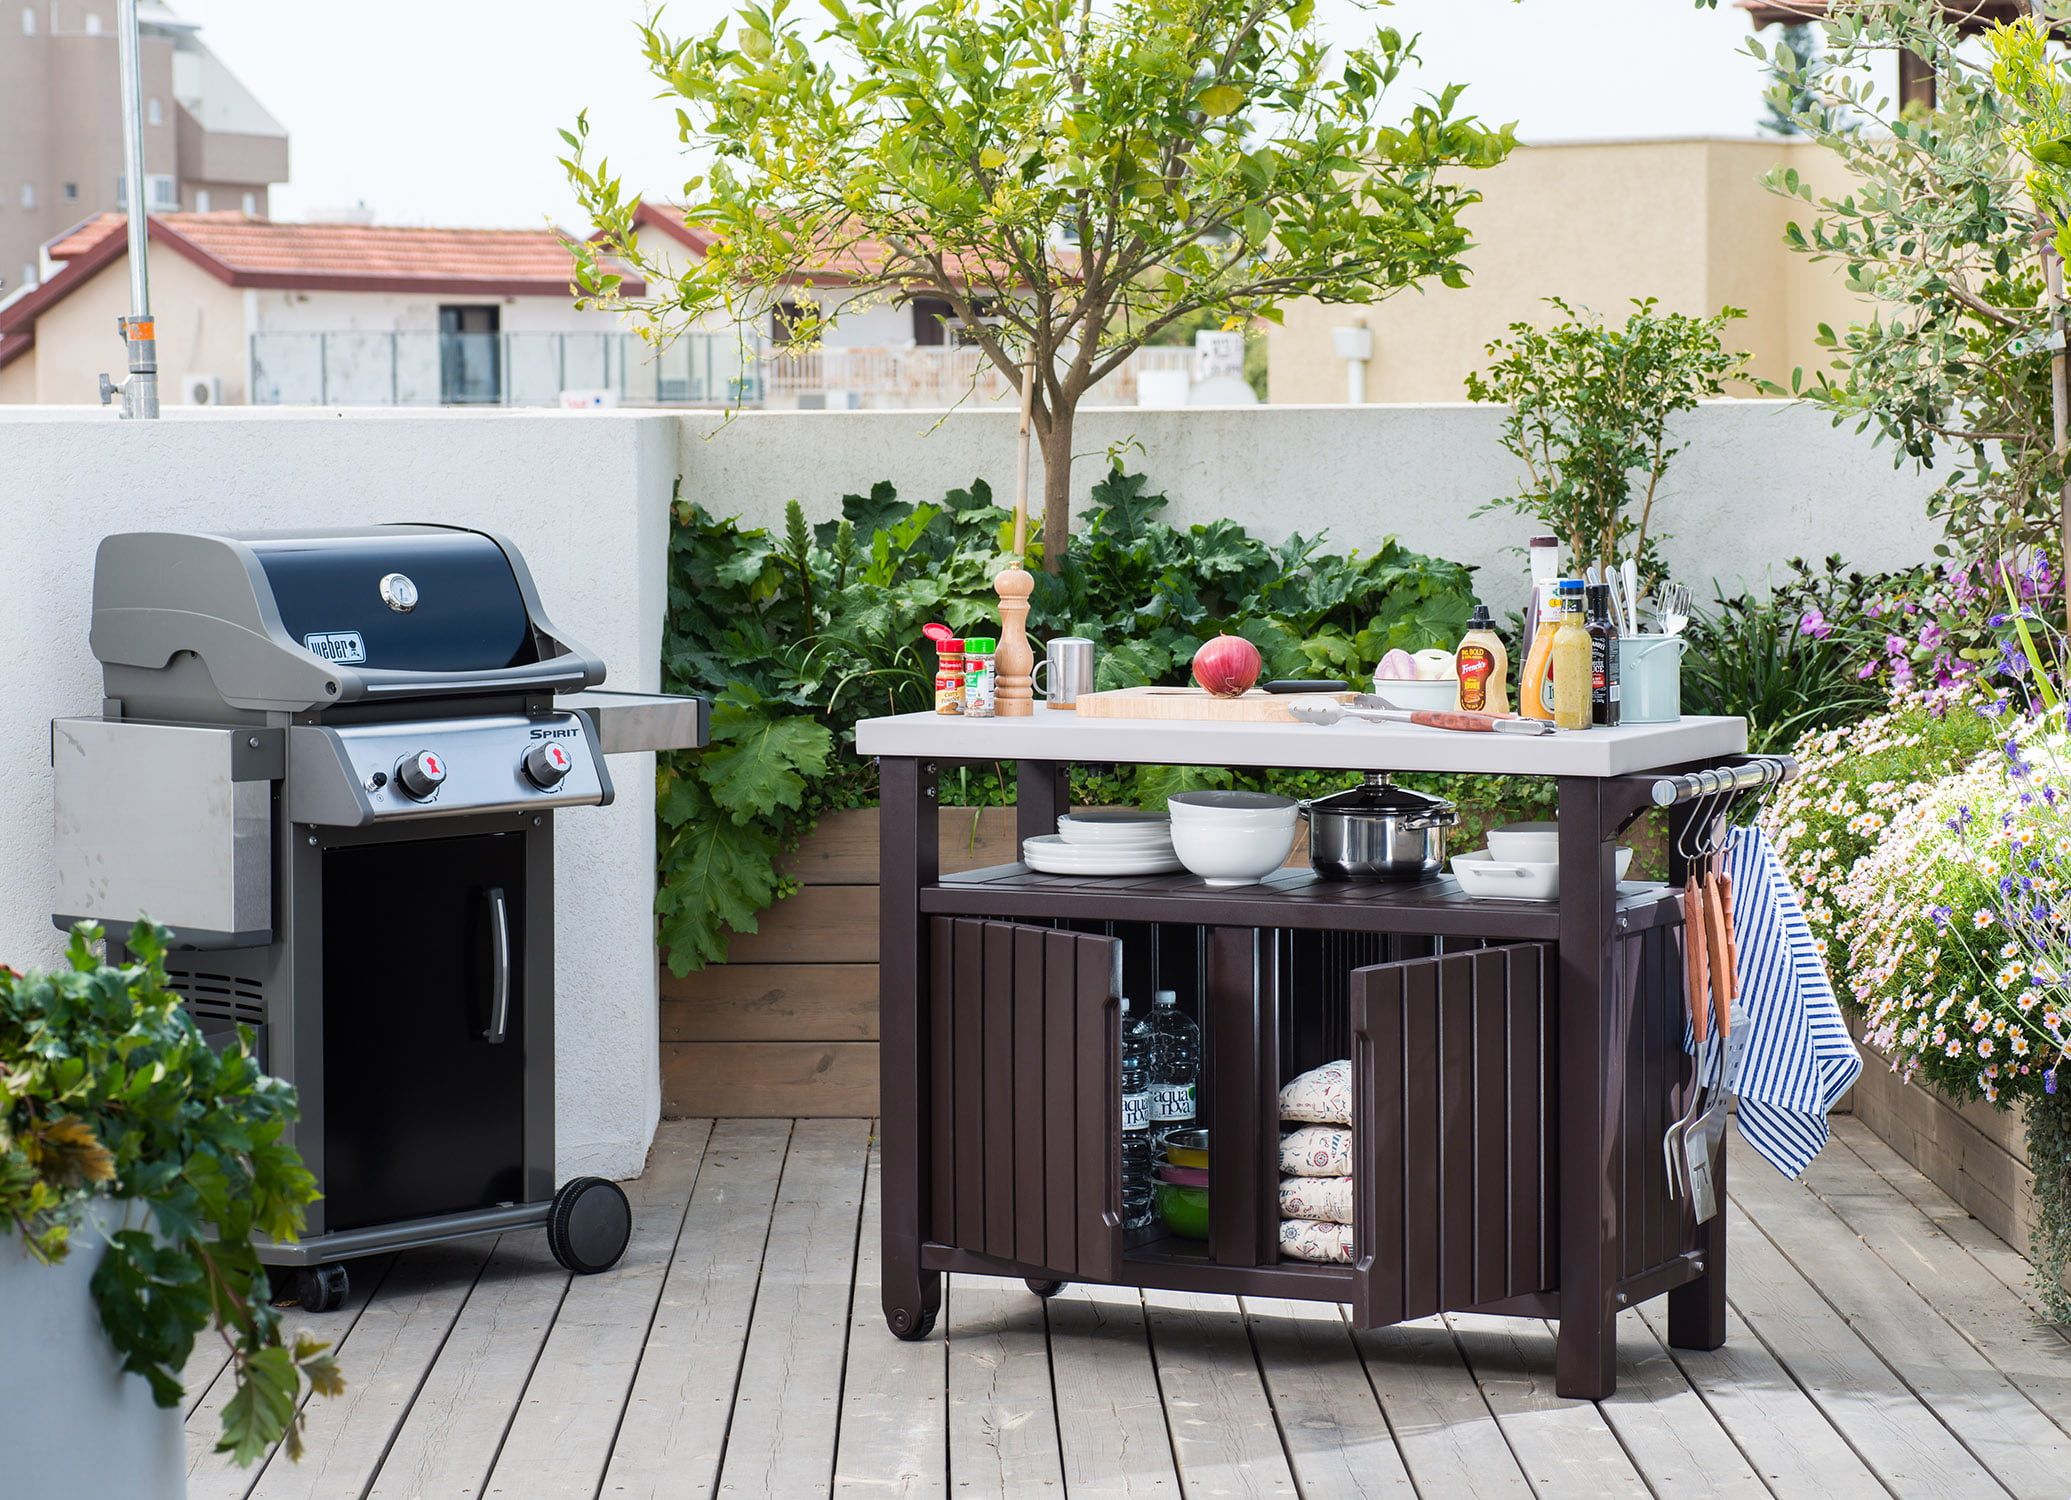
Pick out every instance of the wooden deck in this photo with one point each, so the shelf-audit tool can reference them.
(1880, 1341)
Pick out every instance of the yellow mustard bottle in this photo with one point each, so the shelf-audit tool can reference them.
(1483, 666)
(1572, 672)
(1535, 687)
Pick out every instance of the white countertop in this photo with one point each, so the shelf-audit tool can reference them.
(1052, 734)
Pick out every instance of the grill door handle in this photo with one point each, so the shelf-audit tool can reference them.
(500, 966)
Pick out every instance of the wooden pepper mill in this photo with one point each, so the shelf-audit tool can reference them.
(1014, 661)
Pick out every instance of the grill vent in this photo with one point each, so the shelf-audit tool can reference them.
(219, 997)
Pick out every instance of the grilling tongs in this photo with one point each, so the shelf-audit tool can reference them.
(1373, 706)
(1696, 991)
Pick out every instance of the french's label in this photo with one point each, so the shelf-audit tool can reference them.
(342, 646)
(1172, 1101)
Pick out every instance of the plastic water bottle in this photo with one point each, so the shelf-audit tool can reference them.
(1136, 1120)
(1175, 1066)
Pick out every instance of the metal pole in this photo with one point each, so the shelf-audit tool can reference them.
(140, 391)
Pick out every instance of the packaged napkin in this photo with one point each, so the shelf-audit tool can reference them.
(1312, 1239)
(1316, 1151)
(1326, 1198)
(1321, 1096)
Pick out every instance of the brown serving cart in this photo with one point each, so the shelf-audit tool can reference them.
(1515, 1063)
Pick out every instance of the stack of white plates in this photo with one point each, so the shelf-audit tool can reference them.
(1104, 841)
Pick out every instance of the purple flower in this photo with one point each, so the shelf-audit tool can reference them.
(1874, 608)
(1894, 645)
(1930, 635)
(1814, 624)
(1868, 669)
(2049, 1081)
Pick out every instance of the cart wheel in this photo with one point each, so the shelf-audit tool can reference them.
(321, 1289)
(919, 1331)
(589, 1225)
(1046, 1289)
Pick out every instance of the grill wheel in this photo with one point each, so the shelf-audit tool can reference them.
(589, 1225)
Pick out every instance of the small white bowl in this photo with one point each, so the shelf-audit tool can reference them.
(1525, 843)
(1440, 693)
(1481, 874)
(1224, 855)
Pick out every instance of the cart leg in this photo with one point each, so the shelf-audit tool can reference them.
(1042, 790)
(909, 857)
(1585, 1360)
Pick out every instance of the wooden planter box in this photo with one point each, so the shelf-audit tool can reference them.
(788, 1024)
(1976, 1154)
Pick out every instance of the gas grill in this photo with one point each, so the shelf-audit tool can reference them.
(330, 763)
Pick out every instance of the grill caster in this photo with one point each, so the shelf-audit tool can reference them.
(919, 1329)
(316, 1289)
(1046, 1289)
(589, 1225)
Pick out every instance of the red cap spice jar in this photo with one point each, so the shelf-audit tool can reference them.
(949, 669)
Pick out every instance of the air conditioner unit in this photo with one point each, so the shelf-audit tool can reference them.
(201, 390)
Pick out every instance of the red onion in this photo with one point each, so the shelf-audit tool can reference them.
(1227, 666)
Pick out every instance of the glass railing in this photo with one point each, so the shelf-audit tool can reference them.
(349, 368)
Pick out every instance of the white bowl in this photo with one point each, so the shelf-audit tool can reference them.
(1225, 855)
(1525, 843)
(1231, 805)
(1482, 874)
(1442, 693)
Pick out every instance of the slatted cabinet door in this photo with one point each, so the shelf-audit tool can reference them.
(1025, 1034)
(1452, 1135)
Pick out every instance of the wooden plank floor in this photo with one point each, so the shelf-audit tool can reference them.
(1881, 1343)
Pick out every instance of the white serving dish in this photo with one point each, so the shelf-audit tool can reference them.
(1222, 853)
(1114, 828)
(1525, 843)
(1481, 874)
(1051, 855)
(1442, 693)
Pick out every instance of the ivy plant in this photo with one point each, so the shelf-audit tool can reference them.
(798, 633)
(1067, 180)
(108, 1091)
(1587, 410)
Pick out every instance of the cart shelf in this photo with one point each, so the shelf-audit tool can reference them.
(1290, 898)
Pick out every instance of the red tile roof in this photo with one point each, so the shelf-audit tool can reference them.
(860, 261)
(248, 252)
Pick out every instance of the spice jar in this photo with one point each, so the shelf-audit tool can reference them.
(980, 681)
(949, 669)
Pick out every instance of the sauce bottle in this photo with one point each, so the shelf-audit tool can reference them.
(1535, 687)
(1483, 666)
(1604, 707)
(1545, 556)
(1570, 651)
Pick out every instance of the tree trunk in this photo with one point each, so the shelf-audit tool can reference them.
(1055, 434)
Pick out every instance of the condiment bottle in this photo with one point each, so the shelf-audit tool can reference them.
(1535, 687)
(979, 681)
(1483, 666)
(1603, 659)
(949, 669)
(1570, 670)
(1545, 556)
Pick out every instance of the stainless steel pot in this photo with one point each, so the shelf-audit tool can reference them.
(1378, 832)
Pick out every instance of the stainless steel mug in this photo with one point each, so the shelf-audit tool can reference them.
(1068, 663)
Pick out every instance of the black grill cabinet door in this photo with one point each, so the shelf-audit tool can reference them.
(423, 1114)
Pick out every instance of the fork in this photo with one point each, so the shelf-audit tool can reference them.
(1674, 608)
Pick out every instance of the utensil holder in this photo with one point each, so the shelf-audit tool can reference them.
(1650, 677)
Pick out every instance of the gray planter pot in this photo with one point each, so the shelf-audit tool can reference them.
(73, 1422)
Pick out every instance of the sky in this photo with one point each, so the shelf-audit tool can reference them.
(445, 111)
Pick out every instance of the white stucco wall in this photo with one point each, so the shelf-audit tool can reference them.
(1760, 481)
(585, 496)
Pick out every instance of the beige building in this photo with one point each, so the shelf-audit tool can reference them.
(1685, 221)
(208, 144)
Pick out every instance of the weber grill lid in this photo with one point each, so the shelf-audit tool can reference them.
(290, 621)
(466, 615)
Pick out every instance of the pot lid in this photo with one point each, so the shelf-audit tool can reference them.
(1376, 794)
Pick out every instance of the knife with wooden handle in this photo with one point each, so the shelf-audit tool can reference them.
(1466, 720)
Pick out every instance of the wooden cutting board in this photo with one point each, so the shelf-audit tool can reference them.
(1254, 707)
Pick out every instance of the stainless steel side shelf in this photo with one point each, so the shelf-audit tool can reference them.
(628, 722)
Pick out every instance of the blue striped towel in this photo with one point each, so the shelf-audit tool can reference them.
(1800, 1058)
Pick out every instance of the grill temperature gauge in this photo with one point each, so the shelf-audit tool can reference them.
(421, 774)
(546, 763)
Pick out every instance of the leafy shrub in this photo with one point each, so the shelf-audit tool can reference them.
(109, 1091)
(798, 635)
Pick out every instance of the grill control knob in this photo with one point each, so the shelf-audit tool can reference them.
(546, 763)
(421, 774)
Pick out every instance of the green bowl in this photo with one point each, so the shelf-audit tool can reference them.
(1184, 1210)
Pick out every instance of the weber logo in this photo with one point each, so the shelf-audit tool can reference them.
(569, 733)
(344, 646)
